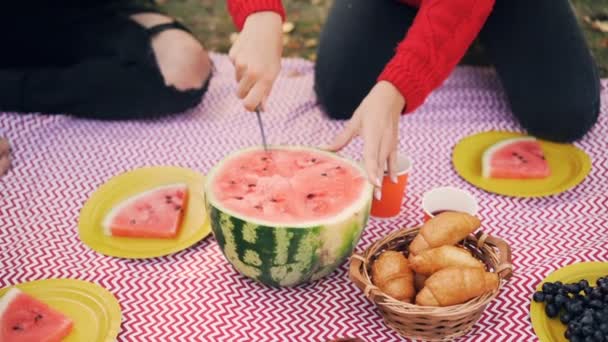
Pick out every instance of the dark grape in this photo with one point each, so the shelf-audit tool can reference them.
(596, 304)
(599, 317)
(587, 319)
(577, 307)
(567, 334)
(549, 298)
(560, 300)
(583, 283)
(558, 284)
(539, 297)
(599, 336)
(572, 288)
(565, 317)
(596, 293)
(575, 338)
(604, 328)
(549, 288)
(551, 310)
(587, 330)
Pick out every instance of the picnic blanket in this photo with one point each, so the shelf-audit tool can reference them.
(195, 295)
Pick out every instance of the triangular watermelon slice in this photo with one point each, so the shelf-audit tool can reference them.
(26, 319)
(156, 213)
(516, 158)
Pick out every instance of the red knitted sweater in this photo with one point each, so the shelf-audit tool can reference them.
(437, 40)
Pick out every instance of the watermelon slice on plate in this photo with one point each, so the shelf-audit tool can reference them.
(26, 319)
(515, 158)
(156, 213)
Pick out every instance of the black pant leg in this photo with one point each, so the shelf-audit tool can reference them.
(110, 73)
(545, 66)
(357, 41)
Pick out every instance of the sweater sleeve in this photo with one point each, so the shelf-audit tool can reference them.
(241, 9)
(439, 37)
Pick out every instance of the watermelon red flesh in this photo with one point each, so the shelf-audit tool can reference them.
(26, 319)
(287, 186)
(517, 158)
(289, 218)
(156, 213)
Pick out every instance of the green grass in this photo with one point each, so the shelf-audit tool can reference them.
(209, 21)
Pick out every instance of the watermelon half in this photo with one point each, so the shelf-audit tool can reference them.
(516, 158)
(155, 213)
(26, 319)
(288, 215)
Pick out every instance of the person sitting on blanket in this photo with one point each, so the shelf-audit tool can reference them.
(368, 72)
(113, 59)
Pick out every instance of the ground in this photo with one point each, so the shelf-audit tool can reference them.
(209, 20)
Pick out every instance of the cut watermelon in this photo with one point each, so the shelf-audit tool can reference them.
(289, 215)
(156, 213)
(26, 319)
(516, 158)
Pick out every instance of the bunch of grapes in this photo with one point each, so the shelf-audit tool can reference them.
(583, 308)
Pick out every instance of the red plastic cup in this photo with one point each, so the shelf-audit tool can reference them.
(448, 198)
(390, 202)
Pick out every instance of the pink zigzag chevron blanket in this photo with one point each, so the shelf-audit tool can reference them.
(195, 295)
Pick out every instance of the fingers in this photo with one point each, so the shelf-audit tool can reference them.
(245, 86)
(256, 95)
(4, 146)
(348, 133)
(371, 150)
(392, 165)
(5, 158)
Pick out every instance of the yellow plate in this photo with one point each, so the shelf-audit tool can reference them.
(195, 224)
(569, 166)
(552, 330)
(94, 310)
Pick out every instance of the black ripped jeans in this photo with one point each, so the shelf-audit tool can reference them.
(537, 47)
(89, 60)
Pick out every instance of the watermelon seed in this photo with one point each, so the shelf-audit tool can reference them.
(264, 159)
(178, 207)
(314, 160)
(264, 169)
(324, 174)
(232, 182)
(239, 198)
(251, 185)
(258, 207)
(38, 317)
(132, 221)
(310, 196)
(17, 327)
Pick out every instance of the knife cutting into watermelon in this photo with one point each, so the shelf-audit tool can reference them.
(515, 158)
(23, 318)
(156, 213)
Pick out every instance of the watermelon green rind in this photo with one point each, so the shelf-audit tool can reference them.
(288, 254)
(487, 155)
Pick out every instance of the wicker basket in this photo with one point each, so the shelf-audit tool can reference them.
(424, 322)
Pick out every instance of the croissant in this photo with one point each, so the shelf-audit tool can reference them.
(391, 273)
(453, 285)
(444, 229)
(432, 260)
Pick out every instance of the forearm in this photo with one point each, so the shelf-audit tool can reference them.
(437, 40)
(241, 9)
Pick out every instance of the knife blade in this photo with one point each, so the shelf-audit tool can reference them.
(259, 116)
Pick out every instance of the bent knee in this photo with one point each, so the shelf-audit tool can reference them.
(338, 94)
(565, 124)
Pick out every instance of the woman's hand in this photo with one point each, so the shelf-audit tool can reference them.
(256, 55)
(377, 121)
(5, 156)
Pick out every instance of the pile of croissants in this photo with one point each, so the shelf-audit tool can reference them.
(436, 272)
